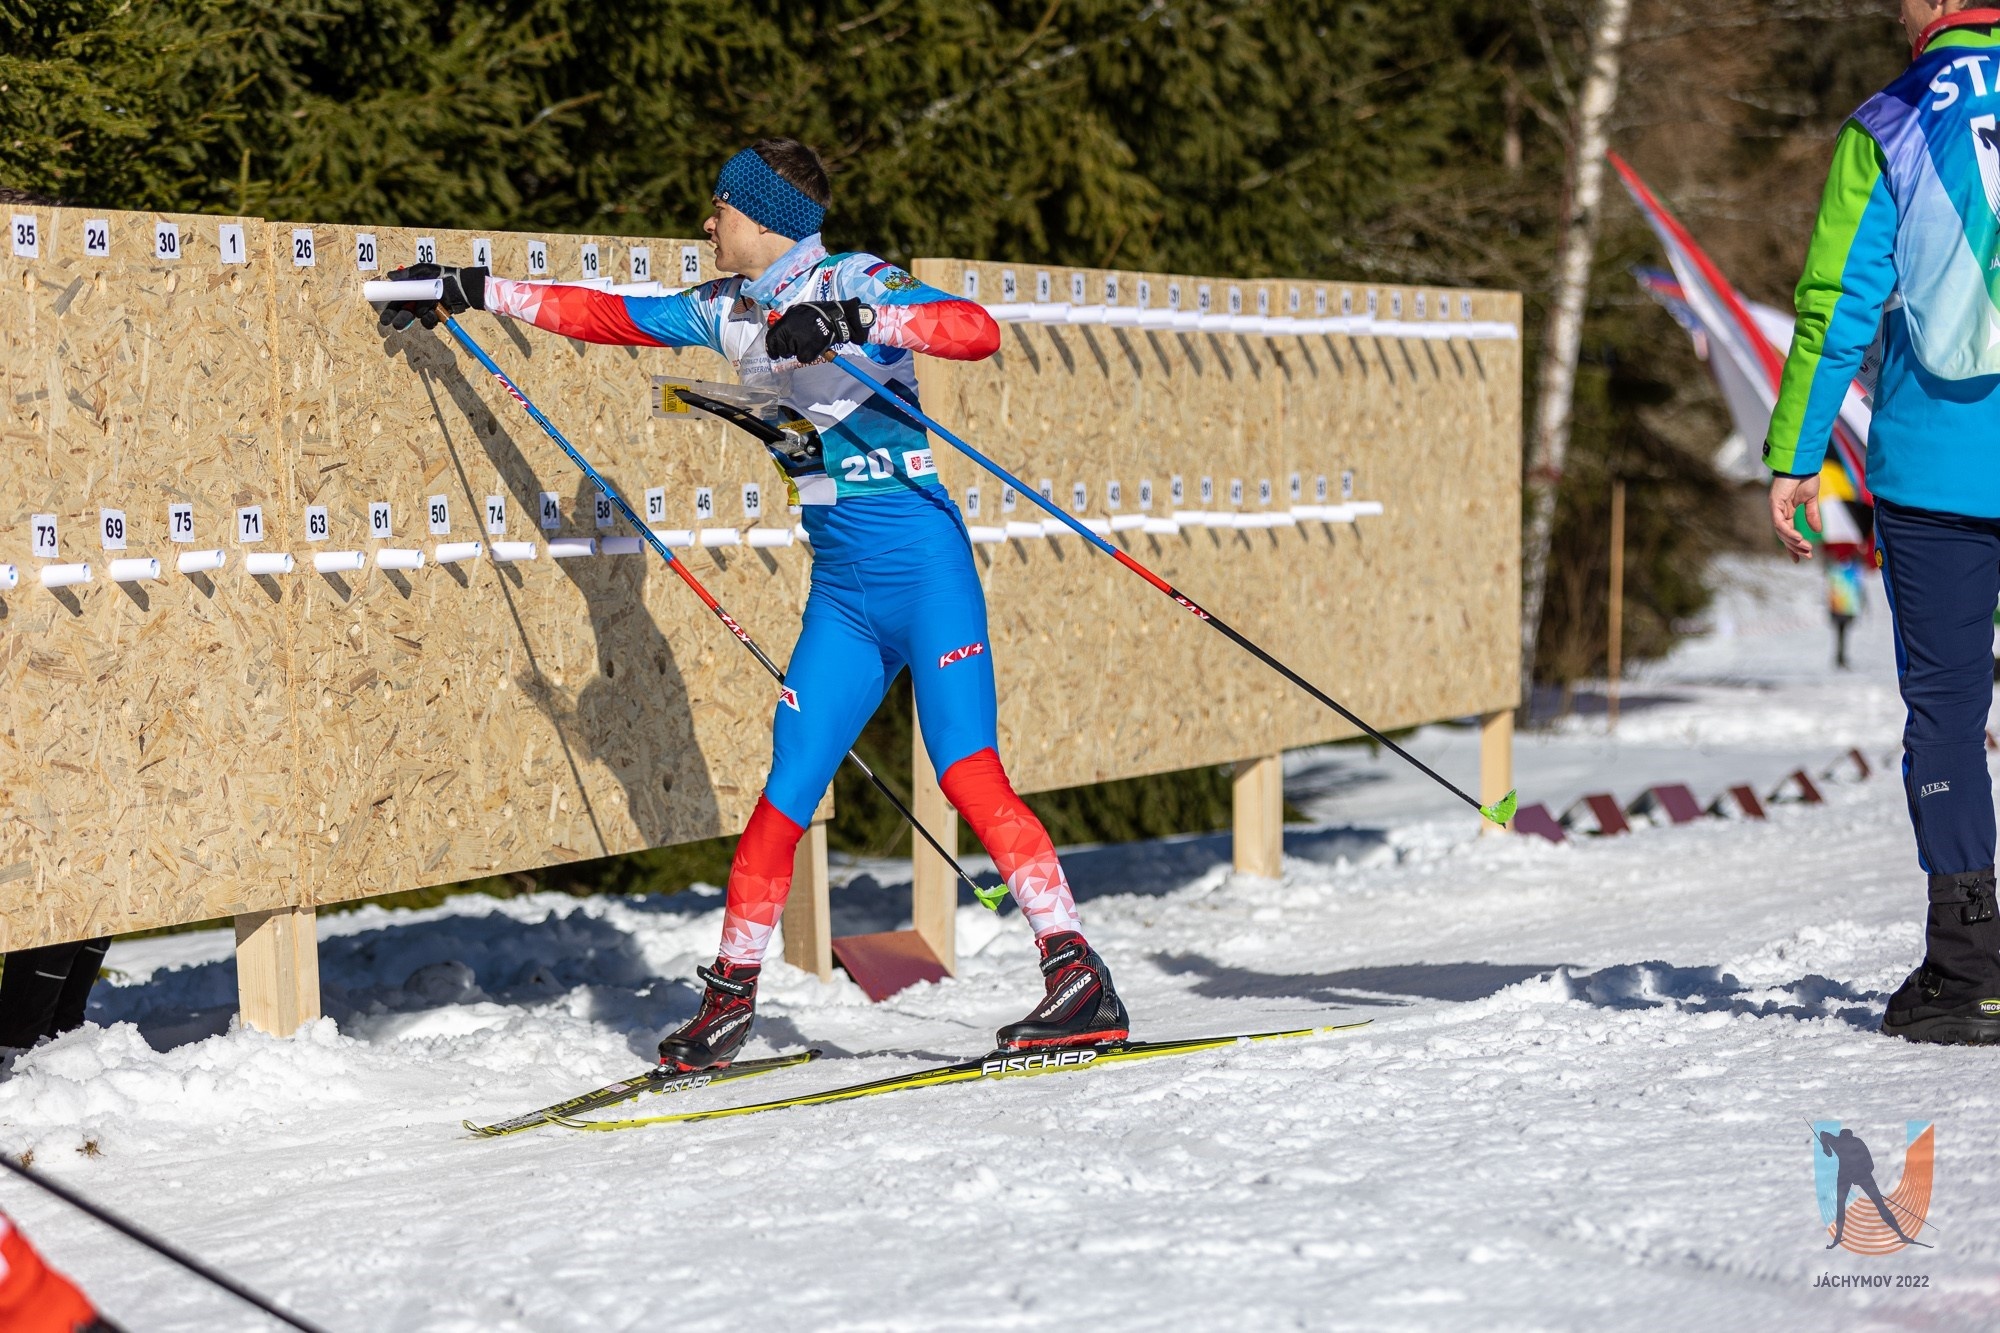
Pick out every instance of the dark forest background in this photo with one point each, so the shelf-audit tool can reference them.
(1386, 140)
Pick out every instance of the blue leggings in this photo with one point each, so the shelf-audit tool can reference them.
(919, 606)
(1942, 576)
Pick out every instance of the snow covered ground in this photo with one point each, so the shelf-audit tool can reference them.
(1581, 1102)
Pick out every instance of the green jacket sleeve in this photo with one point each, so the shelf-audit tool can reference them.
(1849, 273)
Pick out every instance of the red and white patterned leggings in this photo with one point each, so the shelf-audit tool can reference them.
(761, 875)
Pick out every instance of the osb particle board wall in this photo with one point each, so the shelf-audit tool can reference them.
(213, 744)
(1408, 617)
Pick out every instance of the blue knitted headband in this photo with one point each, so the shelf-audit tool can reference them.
(749, 185)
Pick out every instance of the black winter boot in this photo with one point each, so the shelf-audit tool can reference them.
(1079, 1006)
(1955, 996)
(722, 1024)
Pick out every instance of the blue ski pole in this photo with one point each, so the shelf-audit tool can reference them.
(1499, 812)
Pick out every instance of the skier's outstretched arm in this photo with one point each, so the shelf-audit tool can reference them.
(692, 318)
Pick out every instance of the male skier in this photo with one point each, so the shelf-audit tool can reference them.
(1906, 257)
(893, 580)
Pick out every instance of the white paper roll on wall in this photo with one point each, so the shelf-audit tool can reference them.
(1127, 522)
(721, 537)
(268, 562)
(620, 545)
(1162, 527)
(381, 290)
(390, 557)
(770, 536)
(985, 535)
(450, 553)
(134, 569)
(1364, 508)
(9, 577)
(513, 550)
(340, 562)
(62, 576)
(671, 537)
(201, 562)
(1017, 531)
(570, 548)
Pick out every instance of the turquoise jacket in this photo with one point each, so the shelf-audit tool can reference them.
(1907, 249)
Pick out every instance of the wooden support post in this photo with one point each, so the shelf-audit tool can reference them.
(277, 969)
(1496, 759)
(933, 888)
(808, 918)
(1258, 799)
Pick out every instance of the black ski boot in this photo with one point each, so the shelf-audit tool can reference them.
(1079, 1007)
(722, 1024)
(1955, 996)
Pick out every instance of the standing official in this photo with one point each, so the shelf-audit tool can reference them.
(1905, 257)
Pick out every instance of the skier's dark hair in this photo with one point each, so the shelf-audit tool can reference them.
(799, 165)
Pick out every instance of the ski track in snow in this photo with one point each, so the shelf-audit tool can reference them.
(1582, 1101)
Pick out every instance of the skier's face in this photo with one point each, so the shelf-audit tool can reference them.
(742, 246)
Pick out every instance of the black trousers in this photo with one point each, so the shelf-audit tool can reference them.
(43, 991)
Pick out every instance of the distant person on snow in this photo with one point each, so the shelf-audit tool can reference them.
(1903, 256)
(893, 580)
(1843, 603)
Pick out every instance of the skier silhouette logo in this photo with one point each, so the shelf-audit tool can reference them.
(1872, 1222)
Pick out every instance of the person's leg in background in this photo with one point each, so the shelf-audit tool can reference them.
(43, 991)
(834, 683)
(1942, 576)
(74, 998)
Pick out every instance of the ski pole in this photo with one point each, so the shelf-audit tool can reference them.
(1499, 812)
(989, 897)
(155, 1244)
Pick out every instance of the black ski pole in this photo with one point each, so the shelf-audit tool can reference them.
(989, 897)
(155, 1244)
(1499, 812)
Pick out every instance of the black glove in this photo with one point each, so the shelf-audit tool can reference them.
(811, 329)
(464, 289)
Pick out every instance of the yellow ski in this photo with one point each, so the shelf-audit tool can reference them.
(999, 1064)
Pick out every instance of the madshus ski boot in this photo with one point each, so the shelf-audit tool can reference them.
(722, 1024)
(1955, 996)
(1079, 1006)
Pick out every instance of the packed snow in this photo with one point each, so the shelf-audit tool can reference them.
(1581, 1101)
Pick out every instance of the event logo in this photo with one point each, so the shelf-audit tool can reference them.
(1860, 1218)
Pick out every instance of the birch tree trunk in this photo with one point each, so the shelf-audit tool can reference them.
(1549, 445)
